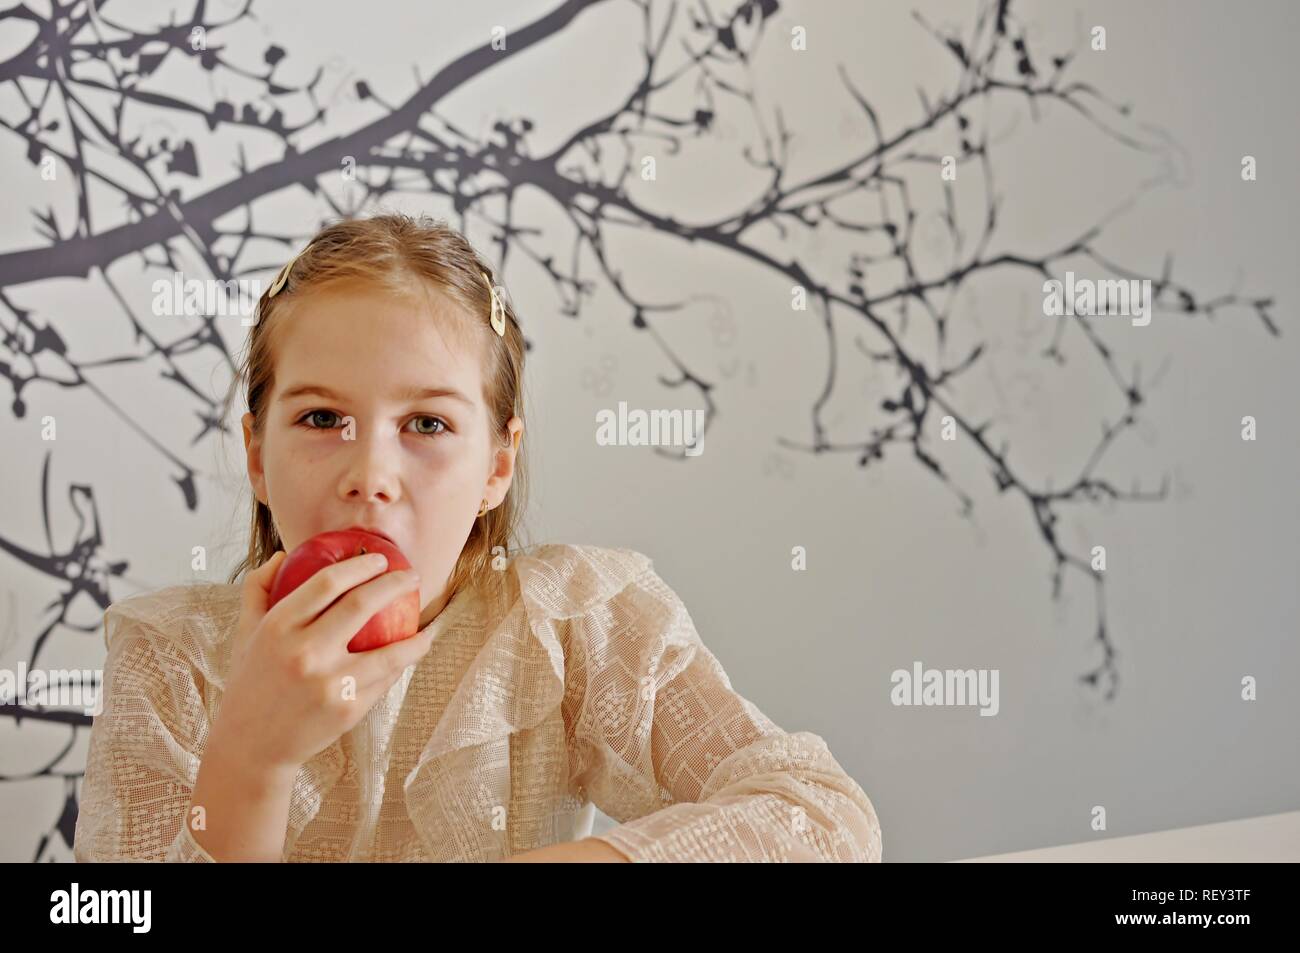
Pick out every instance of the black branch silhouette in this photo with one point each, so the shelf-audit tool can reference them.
(90, 70)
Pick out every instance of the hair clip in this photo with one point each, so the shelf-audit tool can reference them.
(498, 317)
(283, 277)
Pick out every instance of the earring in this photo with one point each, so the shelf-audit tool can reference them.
(483, 509)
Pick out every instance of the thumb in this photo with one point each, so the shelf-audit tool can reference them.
(254, 597)
(257, 585)
(266, 572)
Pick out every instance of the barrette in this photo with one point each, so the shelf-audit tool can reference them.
(498, 317)
(278, 285)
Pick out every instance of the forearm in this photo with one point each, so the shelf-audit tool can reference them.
(245, 810)
(586, 851)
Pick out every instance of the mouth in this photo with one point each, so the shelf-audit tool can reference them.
(374, 532)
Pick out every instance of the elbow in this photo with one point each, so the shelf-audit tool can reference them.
(839, 823)
(859, 837)
(863, 832)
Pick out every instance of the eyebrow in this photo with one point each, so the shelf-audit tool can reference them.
(411, 394)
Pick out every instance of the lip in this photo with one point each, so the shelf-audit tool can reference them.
(380, 533)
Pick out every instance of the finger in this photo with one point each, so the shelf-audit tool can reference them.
(256, 590)
(380, 667)
(254, 595)
(265, 573)
(305, 604)
(332, 632)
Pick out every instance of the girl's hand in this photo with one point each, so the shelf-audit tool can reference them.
(293, 687)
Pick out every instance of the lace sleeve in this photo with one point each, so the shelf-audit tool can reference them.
(693, 771)
(143, 757)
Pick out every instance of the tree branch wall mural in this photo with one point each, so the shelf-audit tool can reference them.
(144, 183)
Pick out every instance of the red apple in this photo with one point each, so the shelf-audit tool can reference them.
(399, 620)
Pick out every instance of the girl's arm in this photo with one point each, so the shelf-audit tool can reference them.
(138, 795)
(693, 771)
(589, 850)
(246, 811)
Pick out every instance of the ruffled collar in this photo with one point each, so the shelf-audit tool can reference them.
(514, 630)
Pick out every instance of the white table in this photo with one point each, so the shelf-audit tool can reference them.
(1273, 838)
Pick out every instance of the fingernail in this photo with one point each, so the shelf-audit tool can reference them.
(378, 560)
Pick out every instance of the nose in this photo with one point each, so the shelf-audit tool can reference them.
(371, 472)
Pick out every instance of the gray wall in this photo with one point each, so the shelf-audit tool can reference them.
(1200, 585)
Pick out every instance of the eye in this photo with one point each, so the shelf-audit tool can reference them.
(311, 420)
(442, 427)
(316, 413)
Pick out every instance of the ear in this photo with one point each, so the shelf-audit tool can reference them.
(503, 464)
(253, 450)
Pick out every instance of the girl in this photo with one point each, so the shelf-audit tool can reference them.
(384, 386)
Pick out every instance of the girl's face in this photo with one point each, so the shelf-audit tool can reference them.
(352, 438)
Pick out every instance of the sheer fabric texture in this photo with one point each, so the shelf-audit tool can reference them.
(574, 674)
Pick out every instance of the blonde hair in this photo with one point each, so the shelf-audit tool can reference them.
(396, 252)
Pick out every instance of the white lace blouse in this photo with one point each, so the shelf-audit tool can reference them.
(573, 675)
